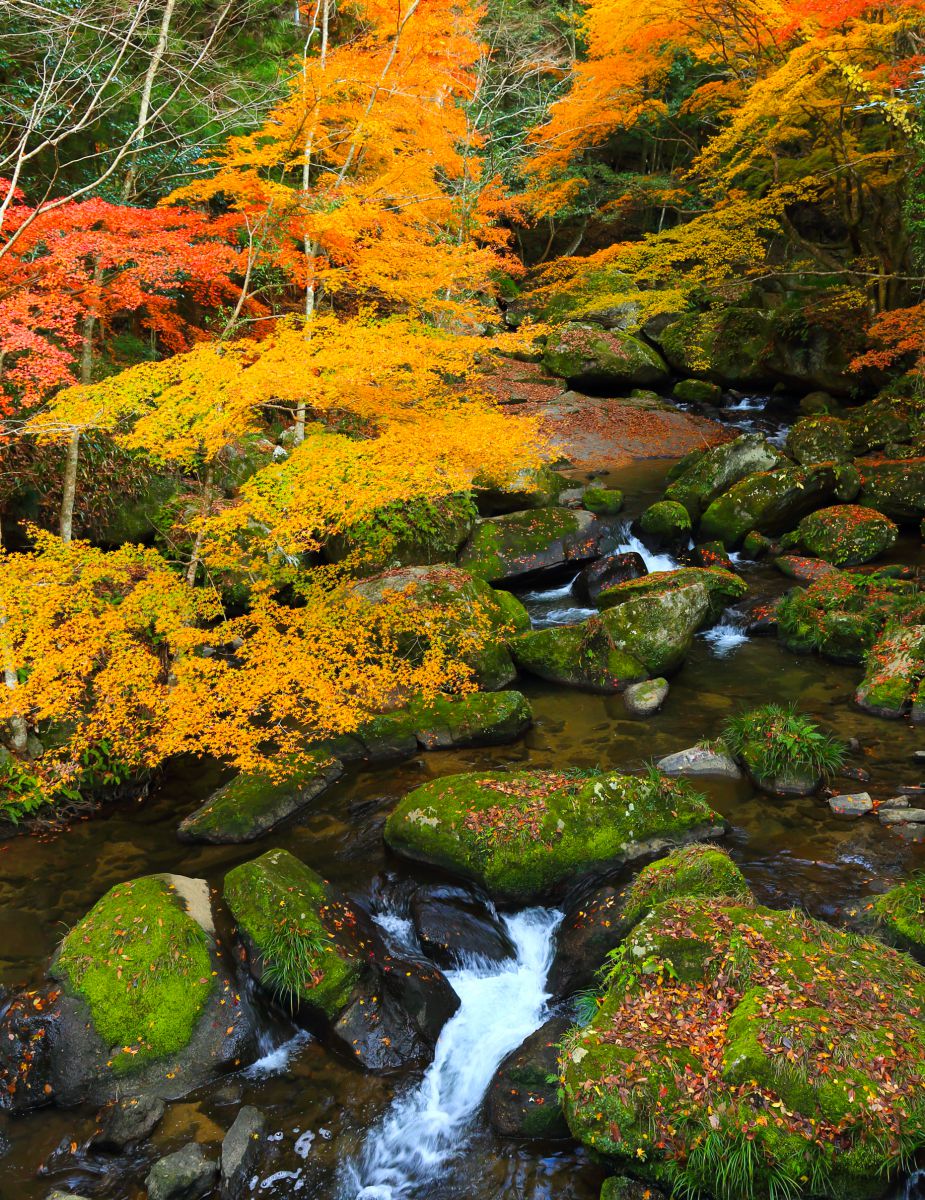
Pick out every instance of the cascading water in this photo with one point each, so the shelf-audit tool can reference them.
(424, 1132)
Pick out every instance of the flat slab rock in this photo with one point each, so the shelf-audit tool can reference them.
(902, 816)
(700, 761)
(857, 805)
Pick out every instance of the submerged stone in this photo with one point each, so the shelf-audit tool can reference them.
(645, 699)
(715, 1029)
(522, 835)
(185, 1175)
(518, 545)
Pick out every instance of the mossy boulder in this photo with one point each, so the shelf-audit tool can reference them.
(667, 522)
(709, 1066)
(728, 346)
(406, 534)
(478, 719)
(533, 488)
(138, 518)
(523, 835)
(895, 667)
(895, 488)
(706, 474)
(820, 440)
(148, 1004)
(845, 535)
(771, 502)
(584, 655)
(843, 614)
(602, 296)
(463, 607)
(302, 935)
(599, 923)
(722, 587)
(250, 805)
(589, 356)
(516, 546)
(697, 391)
(887, 420)
(523, 1099)
(604, 502)
(900, 912)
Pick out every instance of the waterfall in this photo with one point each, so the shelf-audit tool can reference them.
(424, 1132)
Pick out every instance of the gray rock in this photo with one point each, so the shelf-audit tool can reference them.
(240, 1152)
(700, 761)
(127, 1122)
(571, 497)
(59, 1195)
(894, 802)
(645, 699)
(184, 1175)
(857, 805)
(902, 816)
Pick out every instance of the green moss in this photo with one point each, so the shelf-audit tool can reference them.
(590, 355)
(729, 345)
(902, 911)
(477, 719)
(408, 533)
(698, 870)
(704, 475)
(666, 520)
(723, 587)
(522, 834)
(697, 391)
(582, 655)
(820, 440)
(143, 966)
(518, 542)
(845, 535)
(291, 918)
(896, 489)
(746, 1053)
(771, 502)
(894, 668)
(605, 502)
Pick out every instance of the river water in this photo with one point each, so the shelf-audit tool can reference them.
(339, 1134)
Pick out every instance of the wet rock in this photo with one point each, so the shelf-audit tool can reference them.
(645, 699)
(895, 488)
(858, 774)
(249, 806)
(186, 1175)
(771, 502)
(803, 570)
(522, 1102)
(712, 554)
(594, 927)
(522, 835)
(901, 816)
(59, 1195)
(419, 532)
(241, 1152)
(709, 473)
(621, 1187)
(722, 587)
(845, 535)
(697, 391)
(127, 1122)
(26, 1067)
(755, 545)
(588, 356)
(603, 502)
(480, 719)
(538, 488)
(606, 573)
(187, 1025)
(701, 761)
(762, 619)
(895, 668)
(820, 439)
(442, 590)
(729, 346)
(857, 805)
(454, 924)
(668, 523)
(585, 655)
(516, 547)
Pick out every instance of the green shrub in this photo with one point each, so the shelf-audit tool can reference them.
(774, 741)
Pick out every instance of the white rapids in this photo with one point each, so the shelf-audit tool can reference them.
(424, 1132)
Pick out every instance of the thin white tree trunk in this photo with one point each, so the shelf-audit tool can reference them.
(72, 458)
(145, 107)
(19, 730)
(196, 556)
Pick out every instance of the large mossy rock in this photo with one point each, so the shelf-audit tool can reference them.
(523, 835)
(895, 668)
(900, 912)
(821, 439)
(589, 356)
(148, 1005)
(728, 347)
(584, 655)
(407, 534)
(250, 805)
(845, 535)
(471, 604)
(722, 587)
(745, 1053)
(479, 719)
(302, 935)
(895, 488)
(707, 474)
(771, 502)
(512, 548)
(523, 1099)
(842, 614)
(667, 522)
(534, 488)
(601, 296)
(599, 924)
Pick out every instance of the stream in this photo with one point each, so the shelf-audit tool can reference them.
(336, 1133)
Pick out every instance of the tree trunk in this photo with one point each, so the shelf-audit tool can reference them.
(19, 730)
(196, 556)
(69, 489)
(145, 106)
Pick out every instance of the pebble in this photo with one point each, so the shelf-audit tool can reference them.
(852, 806)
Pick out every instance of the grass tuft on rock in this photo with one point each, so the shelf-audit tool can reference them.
(776, 742)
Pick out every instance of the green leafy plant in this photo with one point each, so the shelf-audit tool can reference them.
(290, 955)
(774, 740)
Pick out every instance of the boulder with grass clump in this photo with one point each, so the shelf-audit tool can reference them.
(845, 535)
(783, 751)
(516, 546)
(522, 835)
(148, 1004)
(596, 926)
(667, 522)
(744, 1054)
(318, 955)
(463, 612)
(706, 474)
(901, 913)
(588, 356)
